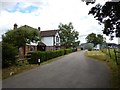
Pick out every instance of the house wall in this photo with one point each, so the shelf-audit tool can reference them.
(48, 41)
(119, 40)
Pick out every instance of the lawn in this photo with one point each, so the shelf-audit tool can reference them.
(115, 69)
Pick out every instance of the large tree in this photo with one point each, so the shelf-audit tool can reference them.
(95, 39)
(21, 36)
(109, 15)
(68, 35)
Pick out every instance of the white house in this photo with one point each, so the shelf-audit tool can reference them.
(51, 39)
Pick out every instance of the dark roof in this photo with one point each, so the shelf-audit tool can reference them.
(27, 27)
(48, 33)
(41, 44)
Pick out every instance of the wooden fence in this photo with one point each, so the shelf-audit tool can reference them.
(116, 55)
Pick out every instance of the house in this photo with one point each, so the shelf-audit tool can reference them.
(51, 39)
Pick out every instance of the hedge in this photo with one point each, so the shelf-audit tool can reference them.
(9, 53)
(46, 55)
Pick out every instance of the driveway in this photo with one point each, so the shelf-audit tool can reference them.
(71, 71)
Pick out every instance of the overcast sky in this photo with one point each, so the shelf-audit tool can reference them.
(48, 14)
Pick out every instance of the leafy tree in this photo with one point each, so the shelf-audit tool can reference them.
(100, 39)
(91, 38)
(109, 15)
(89, 46)
(68, 35)
(8, 54)
(95, 39)
(21, 36)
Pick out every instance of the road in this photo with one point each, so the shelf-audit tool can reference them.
(71, 71)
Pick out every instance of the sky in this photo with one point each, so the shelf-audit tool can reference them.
(48, 14)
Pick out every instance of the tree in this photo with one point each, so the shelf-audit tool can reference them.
(68, 35)
(21, 36)
(95, 39)
(89, 46)
(8, 54)
(109, 15)
(91, 38)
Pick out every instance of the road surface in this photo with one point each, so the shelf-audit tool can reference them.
(71, 71)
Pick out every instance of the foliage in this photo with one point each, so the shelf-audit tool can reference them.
(21, 36)
(66, 51)
(89, 46)
(109, 15)
(68, 35)
(95, 39)
(8, 54)
(46, 55)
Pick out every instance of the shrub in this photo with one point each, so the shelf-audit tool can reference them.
(89, 46)
(67, 51)
(46, 55)
(74, 49)
(8, 54)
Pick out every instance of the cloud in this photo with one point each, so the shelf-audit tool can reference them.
(20, 7)
(48, 15)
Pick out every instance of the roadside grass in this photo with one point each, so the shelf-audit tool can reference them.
(22, 67)
(115, 69)
(16, 69)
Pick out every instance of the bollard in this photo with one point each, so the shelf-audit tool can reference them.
(39, 61)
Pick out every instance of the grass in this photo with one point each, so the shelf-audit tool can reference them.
(16, 69)
(115, 69)
(22, 67)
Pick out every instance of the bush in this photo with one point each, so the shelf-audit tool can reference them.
(8, 54)
(89, 49)
(46, 55)
(89, 46)
(67, 51)
(74, 49)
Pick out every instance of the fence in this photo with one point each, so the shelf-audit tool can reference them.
(117, 55)
(114, 53)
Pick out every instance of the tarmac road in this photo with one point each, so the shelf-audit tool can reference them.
(71, 71)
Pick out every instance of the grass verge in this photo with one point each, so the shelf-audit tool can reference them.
(115, 69)
(22, 67)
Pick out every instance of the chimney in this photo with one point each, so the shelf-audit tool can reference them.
(15, 26)
(39, 29)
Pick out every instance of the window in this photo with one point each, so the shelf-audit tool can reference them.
(57, 39)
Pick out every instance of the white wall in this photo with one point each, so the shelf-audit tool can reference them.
(48, 41)
(119, 40)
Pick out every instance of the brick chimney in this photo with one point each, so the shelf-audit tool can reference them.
(39, 29)
(15, 26)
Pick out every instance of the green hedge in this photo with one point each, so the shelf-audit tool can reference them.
(67, 51)
(9, 53)
(46, 55)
